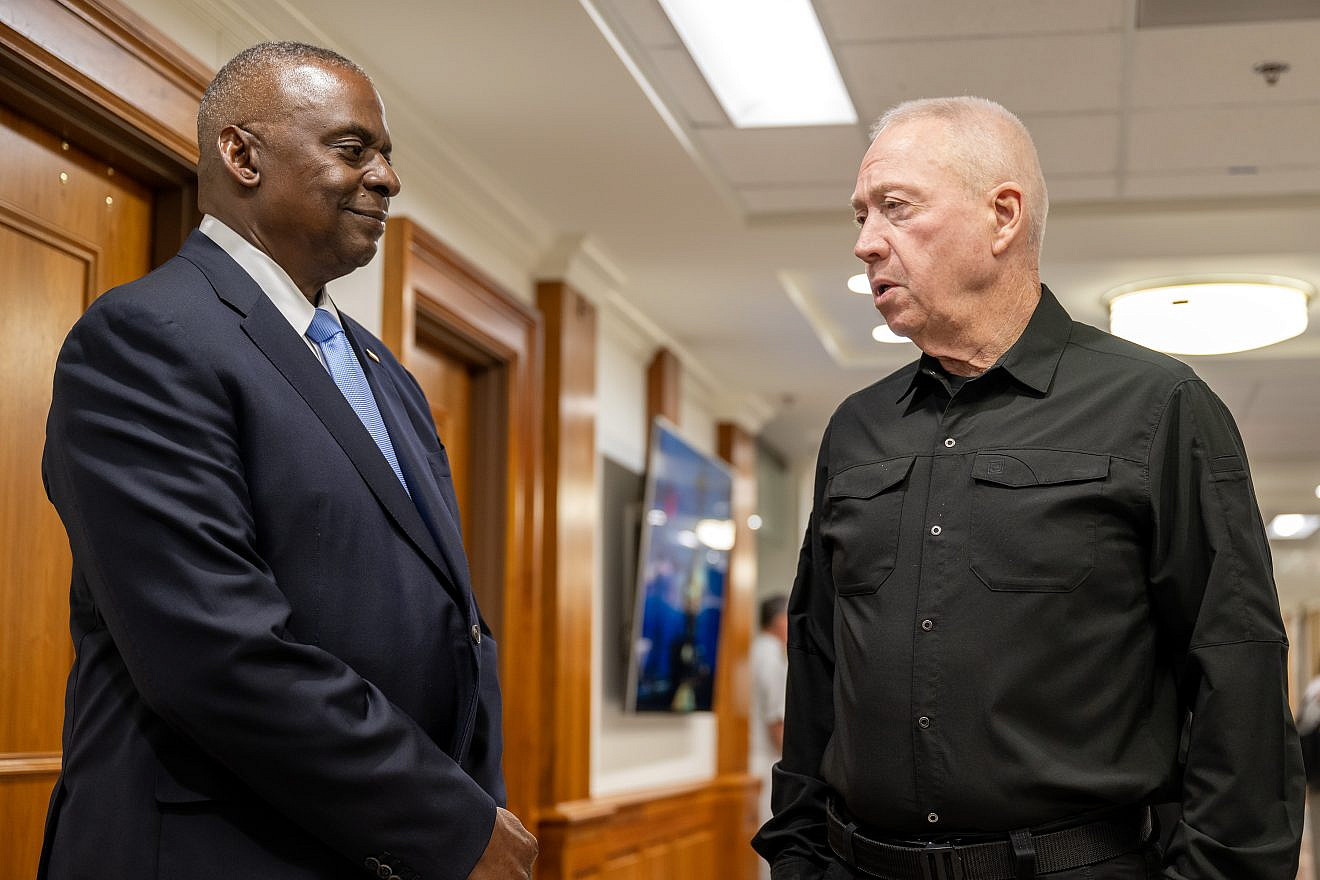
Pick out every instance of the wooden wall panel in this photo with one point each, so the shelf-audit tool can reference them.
(733, 687)
(663, 388)
(572, 510)
(689, 832)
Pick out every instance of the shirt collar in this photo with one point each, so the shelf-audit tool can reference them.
(269, 275)
(1032, 360)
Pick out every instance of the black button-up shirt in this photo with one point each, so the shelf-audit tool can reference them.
(1043, 594)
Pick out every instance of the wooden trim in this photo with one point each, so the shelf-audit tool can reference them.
(692, 831)
(733, 685)
(30, 764)
(663, 388)
(571, 514)
(430, 289)
(110, 69)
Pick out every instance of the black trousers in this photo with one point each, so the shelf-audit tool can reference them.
(1130, 866)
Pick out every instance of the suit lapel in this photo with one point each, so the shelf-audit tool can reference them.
(271, 333)
(428, 495)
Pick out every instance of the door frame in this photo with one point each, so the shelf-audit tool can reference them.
(434, 296)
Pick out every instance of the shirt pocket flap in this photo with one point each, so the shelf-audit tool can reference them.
(869, 480)
(1038, 467)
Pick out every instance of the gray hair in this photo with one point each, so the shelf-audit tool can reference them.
(231, 93)
(990, 146)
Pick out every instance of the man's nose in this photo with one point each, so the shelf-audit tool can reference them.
(382, 178)
(871, 244)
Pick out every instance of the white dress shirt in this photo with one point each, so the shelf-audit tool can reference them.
(272, 279)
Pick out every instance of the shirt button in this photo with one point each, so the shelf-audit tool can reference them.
(935, 530)
(932, 818)
(923, 722)
(928, 624)
(950, 442)
(476, 634)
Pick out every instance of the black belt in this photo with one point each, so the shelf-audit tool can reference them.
(994, 860)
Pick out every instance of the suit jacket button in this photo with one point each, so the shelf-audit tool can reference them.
(384, 871)
(372, 864)
(476, 634)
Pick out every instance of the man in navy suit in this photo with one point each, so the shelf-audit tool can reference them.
(280, 669)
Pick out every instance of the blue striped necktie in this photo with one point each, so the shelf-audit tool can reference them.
(347, 373)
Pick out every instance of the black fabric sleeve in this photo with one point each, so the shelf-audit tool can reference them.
(794, 841)
(1214, 599)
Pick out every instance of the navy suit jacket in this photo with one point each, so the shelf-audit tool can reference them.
(280, 670)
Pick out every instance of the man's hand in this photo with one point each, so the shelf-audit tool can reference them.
(510, 853)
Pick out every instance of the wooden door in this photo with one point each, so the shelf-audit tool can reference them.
(447, 382)
(70, 227)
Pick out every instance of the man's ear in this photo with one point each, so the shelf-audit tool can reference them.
(1010, 219)
(238, 154)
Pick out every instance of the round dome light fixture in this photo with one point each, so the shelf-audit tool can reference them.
(859, 284)
(1217, 314)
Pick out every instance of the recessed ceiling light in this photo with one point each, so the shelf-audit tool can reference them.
(882, 333)
(1317, 491)
(859, 284)
(1215, 315)
(1292, 526)
(768, 63)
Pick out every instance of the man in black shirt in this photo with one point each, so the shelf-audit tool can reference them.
(1035, 595)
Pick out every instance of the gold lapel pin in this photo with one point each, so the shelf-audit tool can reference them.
(371, 354)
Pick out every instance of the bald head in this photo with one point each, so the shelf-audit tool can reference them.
(247, 89)
(986, 145)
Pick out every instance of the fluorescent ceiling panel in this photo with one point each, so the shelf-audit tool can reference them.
(766, 60)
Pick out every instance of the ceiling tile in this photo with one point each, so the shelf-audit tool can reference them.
(646, 21)
(869, 20)
(816, 155)
(1216, 184)
(1182, 13)
(1080, 188)
(1222, 138)
(1214, 65)
(684, 85)
(810, 198)
(1050, 74)
(1075, 144)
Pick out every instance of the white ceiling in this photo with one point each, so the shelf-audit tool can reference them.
(1164, 153)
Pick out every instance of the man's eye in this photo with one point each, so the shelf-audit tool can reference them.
(353, 151)
(891, 205)
(860, 219)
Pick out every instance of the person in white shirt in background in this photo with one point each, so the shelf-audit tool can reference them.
(769, 679)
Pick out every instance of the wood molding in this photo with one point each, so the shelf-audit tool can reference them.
(110, 71)
(663, 388)
(734, 686)
(30, 764)
(696, 832)
(429, 289)
(572, 509)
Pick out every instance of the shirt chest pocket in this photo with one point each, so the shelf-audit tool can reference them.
(1033, 518)
(860, 528)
